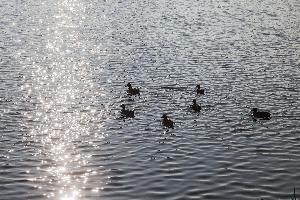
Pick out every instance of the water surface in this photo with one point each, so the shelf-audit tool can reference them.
(64, 65)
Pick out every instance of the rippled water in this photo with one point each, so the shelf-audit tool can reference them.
(64, 65)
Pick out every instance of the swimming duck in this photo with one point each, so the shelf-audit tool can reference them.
(199, 90)
(196, 107)
(132, 91)
(126, 113)
(167, 122)
(260, 114)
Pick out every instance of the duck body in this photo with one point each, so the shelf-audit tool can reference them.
(199, 90)
(126, 113)
(167, 122)
(196, 107)
(132, 91)
(260, 114)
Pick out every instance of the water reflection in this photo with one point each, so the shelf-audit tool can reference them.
(62, 91)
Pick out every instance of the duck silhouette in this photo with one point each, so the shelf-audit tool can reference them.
(167, 122)
(196, 107)
(260, 114)
(132, 91)
(199, 90)
(126, 113)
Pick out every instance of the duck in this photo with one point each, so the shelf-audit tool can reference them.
(126, 113)
(260, 114)
(196, 107)
(132, 91)
(167, 122)
(199, 90)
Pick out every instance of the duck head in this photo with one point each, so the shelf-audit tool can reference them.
(128, 85)
(164, 116)
(198, 86)
(122, 106)
(194, 101)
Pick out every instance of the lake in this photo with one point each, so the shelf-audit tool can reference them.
(64, 67)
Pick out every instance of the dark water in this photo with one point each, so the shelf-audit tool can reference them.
(64, 65)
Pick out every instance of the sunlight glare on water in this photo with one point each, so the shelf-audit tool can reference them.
(61, 85)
